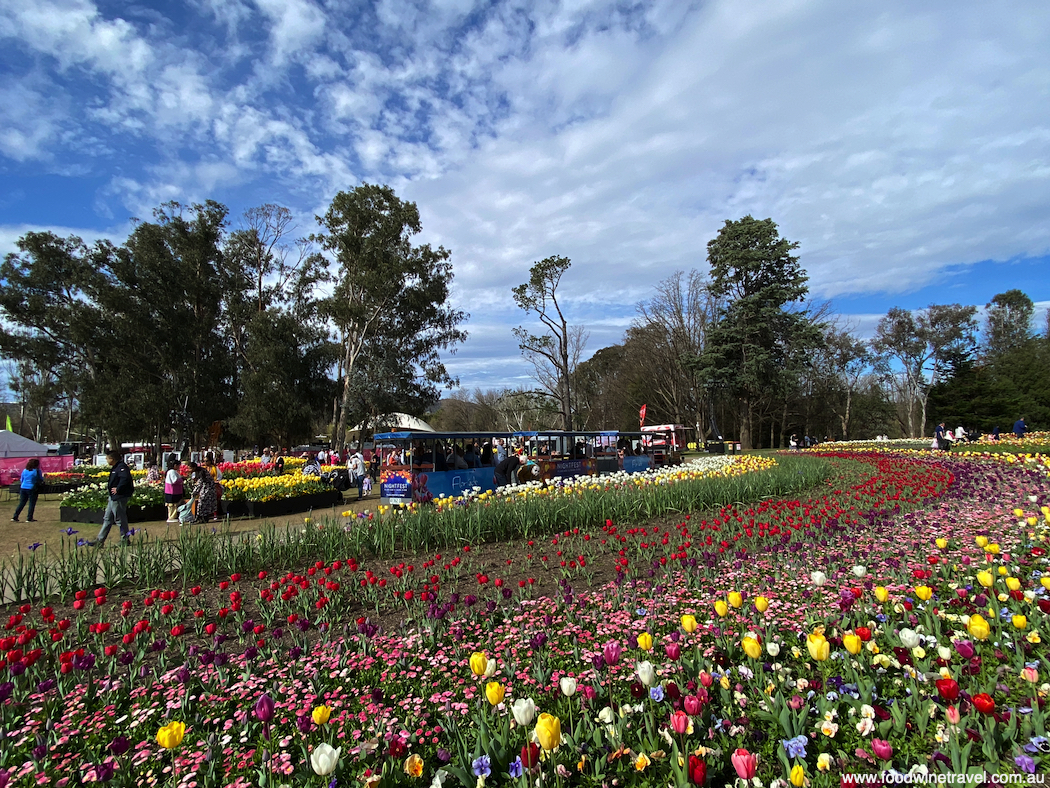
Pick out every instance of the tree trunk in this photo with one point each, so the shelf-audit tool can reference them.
(745, 424)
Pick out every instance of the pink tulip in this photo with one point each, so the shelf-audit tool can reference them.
(882, 749)
(680, 722)
(589, 692)
(674, 651)
(952, 713)
(965, 648)
(692, 705)
(706, 678)
(612, 651)
(745, 764)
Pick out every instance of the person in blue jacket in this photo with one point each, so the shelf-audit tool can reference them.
(32, 479)
(1020, 428)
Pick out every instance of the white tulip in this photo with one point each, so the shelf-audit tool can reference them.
(524, 711)
(772, 648)
(818, 578)
(646, 673)
(568, 686)
(860, 571)
(490, 669)
(324, 759)
(606, 716)
(910, 638)
(944, 652)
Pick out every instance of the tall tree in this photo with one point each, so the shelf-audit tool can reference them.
(388, 291)
(757, 278)
(1008, 323)
(912, 353)
(554, 354)
(843, 362)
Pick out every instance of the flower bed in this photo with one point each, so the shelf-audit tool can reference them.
(893, 620)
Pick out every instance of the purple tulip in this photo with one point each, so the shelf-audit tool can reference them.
(120, 745)
(5, 778)
(183, 674)
(264, 708)
(105, 771)
(611, 651)
(965, 648)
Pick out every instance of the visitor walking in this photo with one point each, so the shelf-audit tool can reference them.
(204, 494)
(1020, 428)
(29, 489)
(357, 472)
(121, 488)
(173, 490)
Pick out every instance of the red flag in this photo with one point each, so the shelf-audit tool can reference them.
(641, 417)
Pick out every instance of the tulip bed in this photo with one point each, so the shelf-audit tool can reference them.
(890, 620)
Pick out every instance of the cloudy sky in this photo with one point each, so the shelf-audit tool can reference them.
(905, 146)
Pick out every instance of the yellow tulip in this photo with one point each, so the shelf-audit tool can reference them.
(1019, 622)
(818, 646)
(881, 593)
(761, 604)
(1017, 513)
(721, 608)
(548, 731)
(689, 623)
(1003, 571)
(479, 661)
(494, 692)
(981, 541)
(852, 642)
(985, 578)
(798, 776)
(645, 641)
(992, 549)
(321, 714)
(170, 736)
(752, 647)
(978, 627)
(1045, 580)
(942, 543)
(1013, 583)
(923, 592)
(736, 599)
(1032, 521)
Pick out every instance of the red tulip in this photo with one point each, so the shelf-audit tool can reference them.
(864, 633)
(984, 703)
(948, 689)
(697, 770)
(530, 755)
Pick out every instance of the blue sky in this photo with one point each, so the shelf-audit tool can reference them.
(905, 146)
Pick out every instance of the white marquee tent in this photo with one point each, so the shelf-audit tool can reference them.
(14, 445)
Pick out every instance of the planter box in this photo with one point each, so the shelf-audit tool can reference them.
(47, 489)
(136, 514)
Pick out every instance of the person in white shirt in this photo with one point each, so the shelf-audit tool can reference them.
(356, 464)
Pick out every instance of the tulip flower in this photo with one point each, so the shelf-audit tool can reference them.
(941, 542)
(852, 643)
(548, 731)
(692, 705)
(264, 708)
(697, 770)
(818, 646)
(1030, 674)
(745, 763)
(978, 627)
(923, 592)
(645, 641)
(721, 608)
(948, 689)
(414, 766)
(881, 593)
(530, 755)
(736, 599)
(490, 669)
(773, 649)
(689, 623)
(1013, 584)
(170, 736)
(761, 604)
(673, 651)
(818, 578)
(882, 749)
(321, 714)
(982, 541)
(706, 679)
(494, 692)
(797, 776)
(985, 578)
(1019, 621)
(524, 711)
(964, 648)
(611, 651)
(568, 686)
(952, 715)
(860, 570)
(479, 661)
(984, 703)
(680, 722)
(864, 633)
(752, 647)
(910, 638)
(646, 673)
(1045, 581)
(324, 759)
